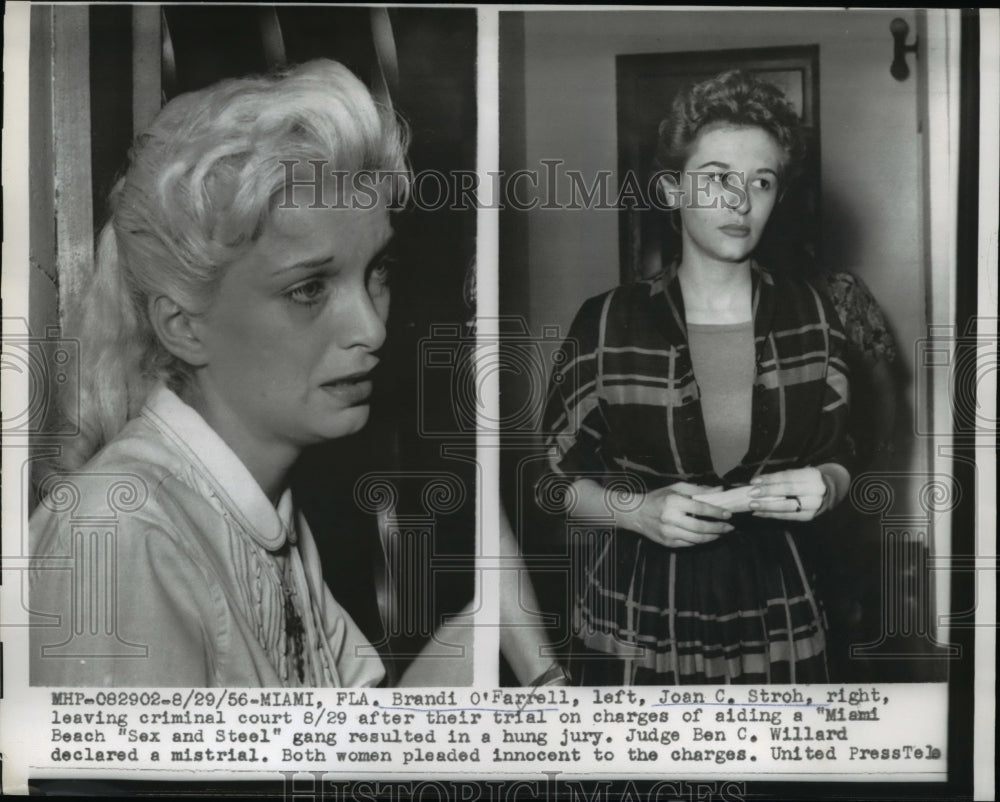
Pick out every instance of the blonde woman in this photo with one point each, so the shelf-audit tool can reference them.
(233, 319)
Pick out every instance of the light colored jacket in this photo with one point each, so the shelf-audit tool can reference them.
(162, 563)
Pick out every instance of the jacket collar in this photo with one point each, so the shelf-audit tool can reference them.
(185, 430)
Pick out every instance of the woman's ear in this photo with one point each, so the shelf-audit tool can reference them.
(174, 327)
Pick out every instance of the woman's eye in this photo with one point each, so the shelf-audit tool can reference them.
(308, 293)
(762, 183)
(380, 275)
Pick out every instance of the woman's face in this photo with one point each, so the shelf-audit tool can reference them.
(729, 188)
(291, 338)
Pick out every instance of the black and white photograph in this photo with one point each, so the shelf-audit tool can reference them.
(499, 402)
(762, 205)
(739, 246)
(229, 461)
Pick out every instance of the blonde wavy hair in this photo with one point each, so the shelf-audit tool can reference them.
(200, 184)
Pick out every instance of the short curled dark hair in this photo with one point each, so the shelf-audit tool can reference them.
(734, 98)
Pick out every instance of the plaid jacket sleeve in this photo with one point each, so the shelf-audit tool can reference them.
(573, 423)
(829, 442)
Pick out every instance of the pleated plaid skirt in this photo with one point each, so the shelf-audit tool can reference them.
(739, 610)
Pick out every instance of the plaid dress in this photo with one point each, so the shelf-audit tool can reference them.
(624, 409)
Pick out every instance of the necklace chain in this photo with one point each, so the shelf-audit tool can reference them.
(295, 633)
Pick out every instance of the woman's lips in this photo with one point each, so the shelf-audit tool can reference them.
(351, 390)
(735, 230)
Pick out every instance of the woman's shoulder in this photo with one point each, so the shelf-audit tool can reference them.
(809, 292)
(614, 308)
(591, 309)
(788, 281)
(635, 295)
(128, 524)
(795, 301)
(135, 484)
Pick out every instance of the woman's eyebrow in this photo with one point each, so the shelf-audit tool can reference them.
(306, 264)
(714, 164)
(386, 246)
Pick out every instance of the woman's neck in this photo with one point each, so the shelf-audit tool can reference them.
(716, 292)
(270, 463)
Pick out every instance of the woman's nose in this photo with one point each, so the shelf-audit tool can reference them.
(743, 202)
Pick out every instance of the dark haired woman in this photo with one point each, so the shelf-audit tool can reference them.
(716, 393)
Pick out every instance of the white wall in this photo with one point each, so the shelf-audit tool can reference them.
(868, 138)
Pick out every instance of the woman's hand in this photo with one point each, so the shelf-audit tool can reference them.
(799, 494)
(665, 516)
